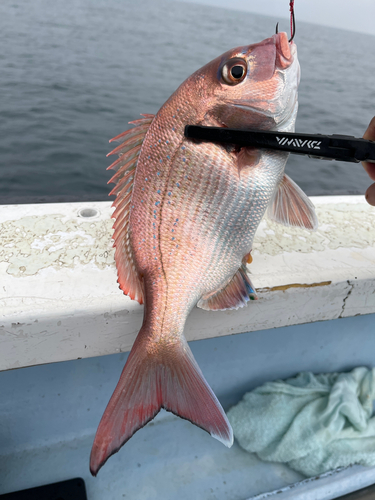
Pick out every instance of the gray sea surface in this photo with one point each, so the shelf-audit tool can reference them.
(73, 73)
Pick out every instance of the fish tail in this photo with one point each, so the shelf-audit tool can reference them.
(149, 382)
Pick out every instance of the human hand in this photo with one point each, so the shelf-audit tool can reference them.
(370, 167)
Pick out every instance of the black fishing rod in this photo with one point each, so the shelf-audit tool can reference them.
(322, 147)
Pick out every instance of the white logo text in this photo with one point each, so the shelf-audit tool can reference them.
(299, 143)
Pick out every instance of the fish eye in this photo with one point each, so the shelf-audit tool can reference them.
(234, 71)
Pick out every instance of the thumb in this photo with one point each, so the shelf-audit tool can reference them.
(370, 167)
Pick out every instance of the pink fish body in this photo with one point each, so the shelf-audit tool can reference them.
(186, 214)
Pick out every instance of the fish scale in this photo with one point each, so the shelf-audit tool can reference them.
(185, 224)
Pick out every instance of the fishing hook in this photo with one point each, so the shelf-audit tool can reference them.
(277, 28)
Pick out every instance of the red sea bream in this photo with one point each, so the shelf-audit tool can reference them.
(186, 214)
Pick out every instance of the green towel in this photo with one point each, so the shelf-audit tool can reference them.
(314, 423)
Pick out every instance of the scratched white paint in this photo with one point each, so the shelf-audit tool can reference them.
(59, 298)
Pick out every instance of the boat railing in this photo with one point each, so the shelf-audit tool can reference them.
(59, 297)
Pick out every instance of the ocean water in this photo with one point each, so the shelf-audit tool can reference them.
(73, 73)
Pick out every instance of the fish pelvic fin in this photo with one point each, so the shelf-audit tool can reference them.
(128, 151)
(235, 294)
(290, 206)
(170, 380)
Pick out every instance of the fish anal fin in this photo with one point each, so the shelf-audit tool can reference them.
(129, 150)
(148, 383)
(235, 294)
(291, 206)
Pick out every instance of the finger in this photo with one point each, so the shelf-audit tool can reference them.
(370, 195)
(369, 135)
(370, 169)
(370, 132)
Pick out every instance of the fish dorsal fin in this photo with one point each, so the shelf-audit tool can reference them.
(290, 206)
(128, 151)
(235, 294)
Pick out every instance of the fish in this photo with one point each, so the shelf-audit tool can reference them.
(185, 217)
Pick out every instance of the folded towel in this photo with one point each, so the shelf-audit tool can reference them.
(314, 423)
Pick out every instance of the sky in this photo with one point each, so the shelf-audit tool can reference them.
(354, 15)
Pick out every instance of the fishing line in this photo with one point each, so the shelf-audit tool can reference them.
(292, 21)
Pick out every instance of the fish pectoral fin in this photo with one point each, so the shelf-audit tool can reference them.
(169, 379)
(235, 294)
(291, 206)
(128, 151)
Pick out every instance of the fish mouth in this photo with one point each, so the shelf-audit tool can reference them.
(285, 50)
